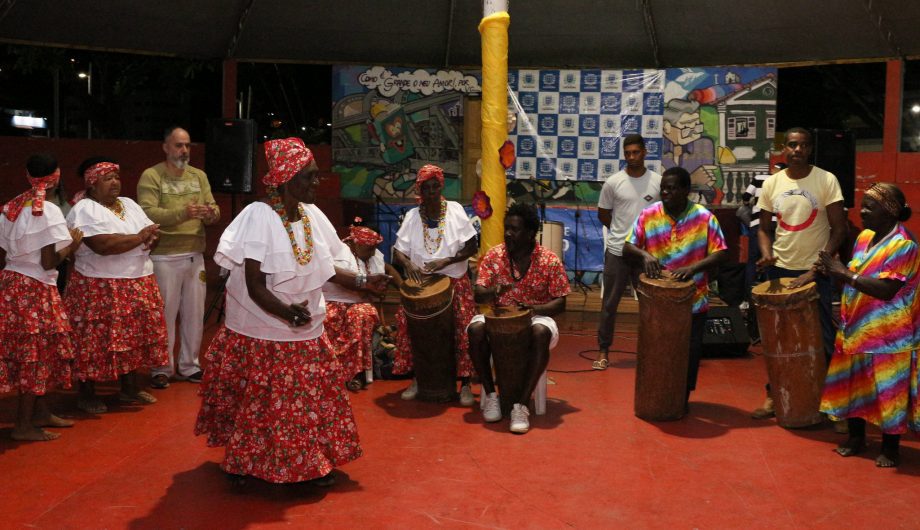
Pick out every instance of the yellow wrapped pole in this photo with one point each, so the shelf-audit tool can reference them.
(494, 31)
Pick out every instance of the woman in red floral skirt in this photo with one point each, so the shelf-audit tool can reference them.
(112, 298)
(273, 392)
(35, 347)
(351, 316)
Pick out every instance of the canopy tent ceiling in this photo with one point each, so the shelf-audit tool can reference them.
(610, 33)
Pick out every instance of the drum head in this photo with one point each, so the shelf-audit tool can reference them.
(505, 312)
(431, 285)
(665, 281)
(778, 292)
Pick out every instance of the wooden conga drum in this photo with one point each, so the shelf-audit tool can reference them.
(508, 329)
(430, 318)
(665, 314)
(790, 331)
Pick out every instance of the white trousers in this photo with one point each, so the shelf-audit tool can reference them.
(182, 285)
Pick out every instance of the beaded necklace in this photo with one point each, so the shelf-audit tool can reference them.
(303, 256)
(116, 208)
(432, 245)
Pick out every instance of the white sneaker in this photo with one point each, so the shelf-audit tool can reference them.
(466, 396)
(491, 407)
(410, 393)
(519, 423)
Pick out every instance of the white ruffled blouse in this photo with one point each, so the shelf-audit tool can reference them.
(458, 229)
(94, 219)
(347, 260)
(24, 239)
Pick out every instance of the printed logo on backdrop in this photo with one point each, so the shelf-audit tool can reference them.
(651, 126)
(653, 104)
(630, 125)
(418, 81)
(527, 146)
(588, 126)
(526, 168)
(610, 125)
(610, 104)
(608, 168)
(546, 168)
(568, 103)
(568, 147)
(513, 80)
(632, 104)
(547, 148)
(610, 81)
(653, 149)
(528, 80)
(549, 80)
(528, 101)
(587, 170)
(566, 170)
(549, 104)
(587, 148)
(570, 80)
(633, 80)
(546, 125)
(568, 124)
(590, 80)
(610, 147)
(590, 103)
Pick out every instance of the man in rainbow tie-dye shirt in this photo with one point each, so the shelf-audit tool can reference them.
(684, 238)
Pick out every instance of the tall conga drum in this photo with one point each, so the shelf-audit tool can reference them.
(508, 329)
(665, 317)
(430, 318)
(790, 331)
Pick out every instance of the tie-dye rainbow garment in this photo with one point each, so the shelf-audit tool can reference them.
(680, 242)
(873, 372)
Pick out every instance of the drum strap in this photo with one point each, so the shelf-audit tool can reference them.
(447, 306)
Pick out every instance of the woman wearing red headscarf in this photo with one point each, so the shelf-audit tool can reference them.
(273, 392)
(437, 237)
(35, 347)
(350, 316)
(112, 298)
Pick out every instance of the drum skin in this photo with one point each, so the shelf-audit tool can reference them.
(665, 314)
(508, 329)
(790, 331)
(430, 319)
(552, 233)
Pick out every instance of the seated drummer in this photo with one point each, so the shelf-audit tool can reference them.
(521, 273)
(684, 238)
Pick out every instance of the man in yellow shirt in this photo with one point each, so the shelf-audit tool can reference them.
(178, 197)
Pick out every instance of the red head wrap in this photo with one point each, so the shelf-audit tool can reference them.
(363, 235)
(285, 159)
(97, 171)
(429, 171)
(13, 208)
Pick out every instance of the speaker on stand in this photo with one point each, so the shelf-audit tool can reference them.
(230, 164)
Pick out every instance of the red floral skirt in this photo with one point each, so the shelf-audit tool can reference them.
(350, 329)
(118, 325)
(35, 346)
(280, 408)
(464, 311)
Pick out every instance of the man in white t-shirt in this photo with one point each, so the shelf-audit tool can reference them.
(624, 195)
(808, 206)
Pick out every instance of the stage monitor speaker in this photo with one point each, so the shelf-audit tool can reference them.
(835, 151)
(725, 332)
(230, 155)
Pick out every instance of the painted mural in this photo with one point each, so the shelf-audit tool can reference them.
(389, 122)
(719, 125)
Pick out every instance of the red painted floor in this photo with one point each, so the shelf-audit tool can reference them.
(589, 463)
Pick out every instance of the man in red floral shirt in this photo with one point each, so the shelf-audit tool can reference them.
(518, 272)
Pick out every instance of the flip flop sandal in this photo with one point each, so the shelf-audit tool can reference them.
(600, 364)
(92, 406)
(142, 398)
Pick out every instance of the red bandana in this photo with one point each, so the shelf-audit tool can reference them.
(285, 159)
(363, 235)
(427, 172)
(13, 208)
(97, 171)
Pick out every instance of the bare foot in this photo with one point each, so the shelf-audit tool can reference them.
(35, 434)
(51, 421)
(887, 460)
(852, 447)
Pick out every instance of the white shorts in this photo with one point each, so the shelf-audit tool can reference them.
(536, 319)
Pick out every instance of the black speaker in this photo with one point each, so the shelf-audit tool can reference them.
(835, 151)
(230, 155)
(725, 332)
